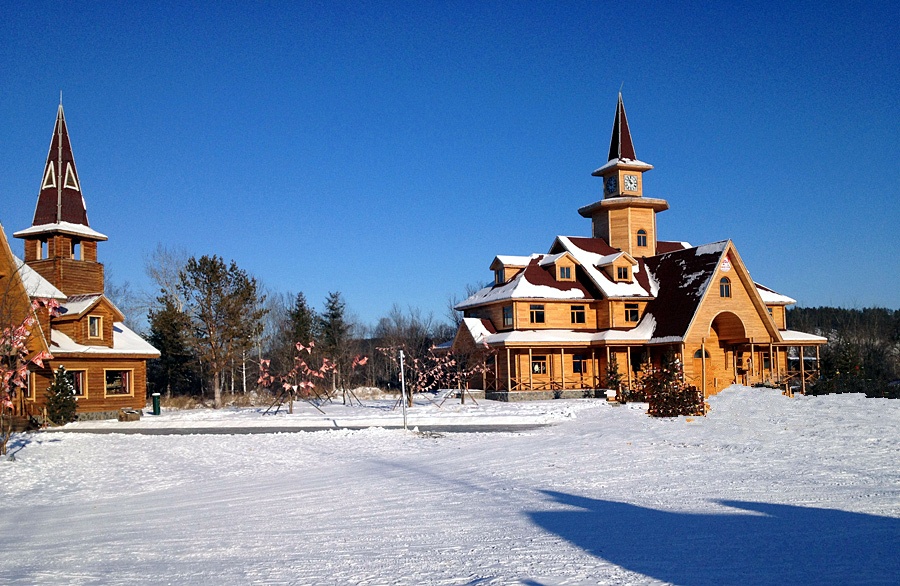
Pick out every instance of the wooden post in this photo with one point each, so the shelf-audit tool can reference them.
(530, 372)
(607, 366)
(562, 366)
(508, 372)
(752, 365)
(818, 366)
(496, 373)
(595, 370)
(802, 372)
(682, 362)
(772, 362)
(628, 364)
(703, 364)
(734, 362)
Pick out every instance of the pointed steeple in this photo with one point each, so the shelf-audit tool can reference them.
(620, 146)
(60, 198)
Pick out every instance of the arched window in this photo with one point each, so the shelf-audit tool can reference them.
(725, 287)
(701, 353)
(642, 237)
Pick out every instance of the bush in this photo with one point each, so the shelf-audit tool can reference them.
(667, 393)
(61, 405)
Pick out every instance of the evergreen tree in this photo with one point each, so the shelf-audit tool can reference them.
(302, 320)
(175, 370)
(614, 379)
(334, 336)
(225, 309)
(61, 403)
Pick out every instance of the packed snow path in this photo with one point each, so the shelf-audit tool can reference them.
(765, 490)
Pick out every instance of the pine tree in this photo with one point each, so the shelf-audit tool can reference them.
(61, 403)
(174, 371)
(334, 336)
(614, 379)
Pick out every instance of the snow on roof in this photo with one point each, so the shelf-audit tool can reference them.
(64, 227)
(477, 328)
(711, 248)
(589, 261)
(795, 336)
(520, 288)
(513, 260)
(608, 260)
(642, 333)
(125, 341)
(770, 296)
(549, 259)
(624, 162)
(35, 285)
(78, 304)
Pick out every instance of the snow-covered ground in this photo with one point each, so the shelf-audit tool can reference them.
(765, 490)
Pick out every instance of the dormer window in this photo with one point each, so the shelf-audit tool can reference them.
(565, 273)
(725, 287)
(95, 326)
(498, 277)
(632, 312)
(622, 274)
(642, 238)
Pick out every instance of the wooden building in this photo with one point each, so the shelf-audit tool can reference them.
(556, 322)
(86, 333)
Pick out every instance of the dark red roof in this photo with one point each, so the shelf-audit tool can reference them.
(662, 247)
(620, 146)
(683, 277)
(595, 245)
(60, 197)
(537, 275)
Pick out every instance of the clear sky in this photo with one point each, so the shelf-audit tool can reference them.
(390, 150)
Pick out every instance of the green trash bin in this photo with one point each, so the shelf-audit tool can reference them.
(155, 403)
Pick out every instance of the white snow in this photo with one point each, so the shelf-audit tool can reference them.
(589, 261)
(125, 341)
(770, 296)
(35, 285)
(764, 490)
(711, 248)
(64, 227)
(520, 288)
(624, 162)
(795, 336)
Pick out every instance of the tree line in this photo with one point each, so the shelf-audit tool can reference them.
(863, 350)
(216, 328)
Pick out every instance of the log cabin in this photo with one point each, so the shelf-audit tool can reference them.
(84, 330)
(554, 324)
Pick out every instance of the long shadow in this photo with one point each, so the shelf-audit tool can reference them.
(761, 544)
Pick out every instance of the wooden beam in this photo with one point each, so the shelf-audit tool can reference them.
(530, 371)
(802, 372)
(703, 364)
(562, 366)
(508, 372)
(628, 364)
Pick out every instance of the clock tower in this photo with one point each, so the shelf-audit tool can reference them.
(624, 217)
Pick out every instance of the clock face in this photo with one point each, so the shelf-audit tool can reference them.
(630, 182)
(611, 183)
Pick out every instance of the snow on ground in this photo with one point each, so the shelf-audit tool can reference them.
(765, 490)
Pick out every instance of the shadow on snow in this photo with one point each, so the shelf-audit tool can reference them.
(762, 544)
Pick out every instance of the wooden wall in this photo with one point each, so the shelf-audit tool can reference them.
(95, 398)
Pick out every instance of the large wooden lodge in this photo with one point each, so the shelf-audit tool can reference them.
(86, 334)
(555, 322)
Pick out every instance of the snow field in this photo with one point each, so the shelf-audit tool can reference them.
(764, 490)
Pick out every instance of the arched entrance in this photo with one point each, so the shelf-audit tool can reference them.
(725, 338)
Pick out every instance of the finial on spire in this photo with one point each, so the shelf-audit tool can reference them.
(60, 97)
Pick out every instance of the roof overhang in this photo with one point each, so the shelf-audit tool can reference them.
(621, 201)
(61, 228)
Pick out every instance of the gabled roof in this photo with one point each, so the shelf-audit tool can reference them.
(592, 253)
(679, 280)
(60, 201)
(78, 305)
(125, 342)
(533, 282)
(771, 297)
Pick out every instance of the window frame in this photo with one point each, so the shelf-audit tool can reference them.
(564, 273)
(632, 310)
(536, 311)
(539, 361)
(507, 316)
(99, 320)
(642, 238)
(130, 382)
(79, 381)
(725, 288)
(623, 274)
(579, 364)
(578, 314)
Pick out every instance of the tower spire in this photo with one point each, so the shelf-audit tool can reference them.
(60, 199)
(621, 146)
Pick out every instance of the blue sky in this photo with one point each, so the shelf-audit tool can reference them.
(389, 150)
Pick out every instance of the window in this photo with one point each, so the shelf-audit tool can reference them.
(565, 273)
(769, 309)
(95, 326)
(578, 314)
(507, 316)
(76, 249)
(42, 249)
(26, 390)
(701, 354)
(79, 382)
(642, 238)
(537, 314)
(539, 365)
(118, 382)
(725, 287)
(631, 312)
(579, 364)
(498, 276)
(622, 273)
